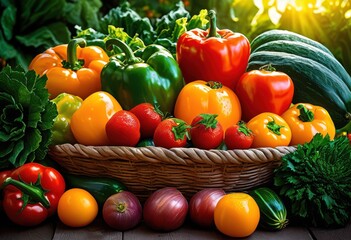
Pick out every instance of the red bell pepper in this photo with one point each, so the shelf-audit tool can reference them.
(213, 55)
(31, 193)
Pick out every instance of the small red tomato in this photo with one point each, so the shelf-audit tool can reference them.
(349, 137)
(123, 129)
(149, 117)
(171, 132)
(238, 136)
(206, 132)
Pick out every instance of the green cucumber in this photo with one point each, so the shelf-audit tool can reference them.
(273, 214)
(99, 187)
(308, 51)
(277, 34)
(314, 83)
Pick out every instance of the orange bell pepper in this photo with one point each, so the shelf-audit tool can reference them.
(89, 121)
(199, 97)
(305, 120)
(72, 68)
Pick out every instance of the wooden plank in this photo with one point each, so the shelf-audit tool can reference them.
(96, 230)
(10, 231)
(191, 232)
(335, 234)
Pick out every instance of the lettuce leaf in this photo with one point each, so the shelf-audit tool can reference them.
(26, 117)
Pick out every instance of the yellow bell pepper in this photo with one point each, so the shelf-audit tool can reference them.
(89, 121)
(305, 120)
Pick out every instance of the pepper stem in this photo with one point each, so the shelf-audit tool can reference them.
(72, 59)
(305, 114)
(213, 24)
(274, 127)
(32, 191)
(130, 57)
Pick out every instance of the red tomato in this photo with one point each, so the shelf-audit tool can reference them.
(171, 132)
(206, 132)
(149, 117)
(264, 91)
(349, 137)
(238, 136)
(123, 129)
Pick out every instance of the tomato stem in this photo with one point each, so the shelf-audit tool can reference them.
(34, 192)
(214, 85)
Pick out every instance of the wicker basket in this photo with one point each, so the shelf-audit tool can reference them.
(146, 169)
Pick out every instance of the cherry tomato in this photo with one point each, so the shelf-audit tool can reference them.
(270, 130)
(238, 136)
(149, 118)
(77, 208)
(171, 132)
(237, 215)
(206, 132)
(123, 129)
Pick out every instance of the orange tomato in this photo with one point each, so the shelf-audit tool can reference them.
(89, 121)
(270, 130)
(305, 120)
(77, 208)
(237, 215)
(208, 97)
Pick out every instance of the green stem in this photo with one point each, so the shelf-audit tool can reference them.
(72, 57)
(129, 55)
(32, 191)
(274, 127)
(213, 24)
(214, 85)
(305, 114)
(268, 68)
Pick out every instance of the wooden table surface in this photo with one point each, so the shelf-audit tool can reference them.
(98, 230)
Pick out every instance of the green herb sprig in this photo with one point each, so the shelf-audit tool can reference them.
(315, 181)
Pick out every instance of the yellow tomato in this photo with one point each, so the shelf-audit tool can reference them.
(306, 120)
(77, 208)
(270, 130)
(237, 215)
(208, 97)
(89, 121)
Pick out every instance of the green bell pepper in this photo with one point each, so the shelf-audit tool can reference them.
(66, 105)
(151, 74)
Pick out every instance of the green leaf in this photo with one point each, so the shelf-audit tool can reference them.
(46, 36)
(83, 12)
(8, 21)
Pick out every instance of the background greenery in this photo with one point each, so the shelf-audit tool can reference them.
(29, 27)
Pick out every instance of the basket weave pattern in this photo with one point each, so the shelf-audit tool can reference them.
(146, 169)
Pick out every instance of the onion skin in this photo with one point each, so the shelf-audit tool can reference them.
(202, 205)
(122, 211)
(165, 209)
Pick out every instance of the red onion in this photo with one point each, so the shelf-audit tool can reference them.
(165, 209)
(122, 211)
(202, 205)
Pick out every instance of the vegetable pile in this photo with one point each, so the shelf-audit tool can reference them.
(178, 82)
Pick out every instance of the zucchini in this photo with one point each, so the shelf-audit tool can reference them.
(310, 52)
(273, 214)
(314, 83)
(99, 187)
(277, 34)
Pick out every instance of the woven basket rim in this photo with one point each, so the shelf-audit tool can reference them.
(183, 155)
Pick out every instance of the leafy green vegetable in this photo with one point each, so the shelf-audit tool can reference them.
(26, 117)
(315, 180)
(32, 26)
(125, 22)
